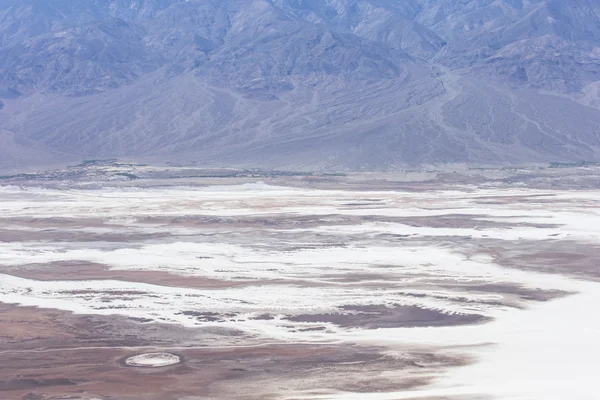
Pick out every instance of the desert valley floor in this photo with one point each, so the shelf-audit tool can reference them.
(301, 287)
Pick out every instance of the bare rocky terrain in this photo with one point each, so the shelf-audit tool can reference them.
(300, 84)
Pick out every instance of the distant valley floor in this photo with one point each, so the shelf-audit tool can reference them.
(271, 285)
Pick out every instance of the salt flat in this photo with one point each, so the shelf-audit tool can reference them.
(462, 291)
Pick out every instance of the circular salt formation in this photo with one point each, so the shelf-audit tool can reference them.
(153, 360)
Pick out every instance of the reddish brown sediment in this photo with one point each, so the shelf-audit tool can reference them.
(396, 316)
(568, 257)
(87, 271)
(67, 355)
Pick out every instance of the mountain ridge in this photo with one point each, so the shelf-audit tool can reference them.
(334, 84)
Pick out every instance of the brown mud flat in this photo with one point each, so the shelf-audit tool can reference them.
(19, 236)
(244, 373)
(294, 221)
(76, 271)
(87, 271)
(567, 257)
(57, 229)
(373, 317)
(48, 354)
(519, 293)
(464, 221)
(32, 329)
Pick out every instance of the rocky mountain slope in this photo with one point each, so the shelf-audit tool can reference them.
(328, 84)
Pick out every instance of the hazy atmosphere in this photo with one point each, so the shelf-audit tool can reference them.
(299, 199)
(300, 84)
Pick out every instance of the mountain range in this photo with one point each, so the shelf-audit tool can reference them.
(300, 84)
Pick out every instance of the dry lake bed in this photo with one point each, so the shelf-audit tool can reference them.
(145, 284)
